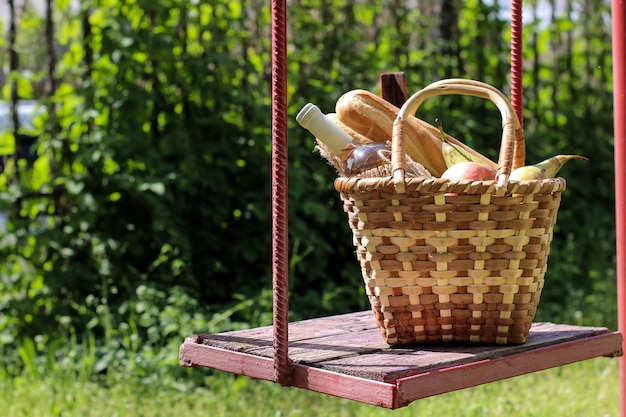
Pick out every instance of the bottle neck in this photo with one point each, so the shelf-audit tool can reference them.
(312, 119)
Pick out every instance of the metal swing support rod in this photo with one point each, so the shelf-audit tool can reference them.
(618, 25)
(280, 238)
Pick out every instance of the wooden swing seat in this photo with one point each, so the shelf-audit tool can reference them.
(345, 356)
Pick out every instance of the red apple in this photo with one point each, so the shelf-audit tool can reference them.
(473, 171)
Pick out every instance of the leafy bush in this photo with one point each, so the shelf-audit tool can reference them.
(146, 216)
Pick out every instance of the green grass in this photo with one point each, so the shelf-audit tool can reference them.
(588, 388)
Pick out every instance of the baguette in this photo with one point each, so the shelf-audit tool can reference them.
(373, 117)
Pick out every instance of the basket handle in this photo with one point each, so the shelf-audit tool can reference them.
(512, 142)
(519, 149)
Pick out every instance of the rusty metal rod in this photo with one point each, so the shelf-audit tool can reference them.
(280, 244)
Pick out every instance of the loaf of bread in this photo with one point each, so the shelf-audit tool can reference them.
(372, 117)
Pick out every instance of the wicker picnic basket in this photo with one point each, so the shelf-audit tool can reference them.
(453, 260)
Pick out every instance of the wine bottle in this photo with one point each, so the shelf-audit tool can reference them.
(356, 156)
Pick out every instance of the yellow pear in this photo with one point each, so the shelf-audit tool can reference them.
(453, 154)
(543, 170)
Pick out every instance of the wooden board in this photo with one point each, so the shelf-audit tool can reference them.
(345, 356)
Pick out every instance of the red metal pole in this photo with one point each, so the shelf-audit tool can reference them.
(618, 9)
(280, 244)
(517, 99)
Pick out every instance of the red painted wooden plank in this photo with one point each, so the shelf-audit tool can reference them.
(320, 350)
(468, 375)
(193, 353)
(393, 87)
(392, 364)
(301, 330)
(351, 344)
(345, 386)
(402, 391)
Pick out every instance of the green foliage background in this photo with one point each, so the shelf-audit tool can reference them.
(146, 216)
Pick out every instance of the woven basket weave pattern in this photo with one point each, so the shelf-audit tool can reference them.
(452, 268)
